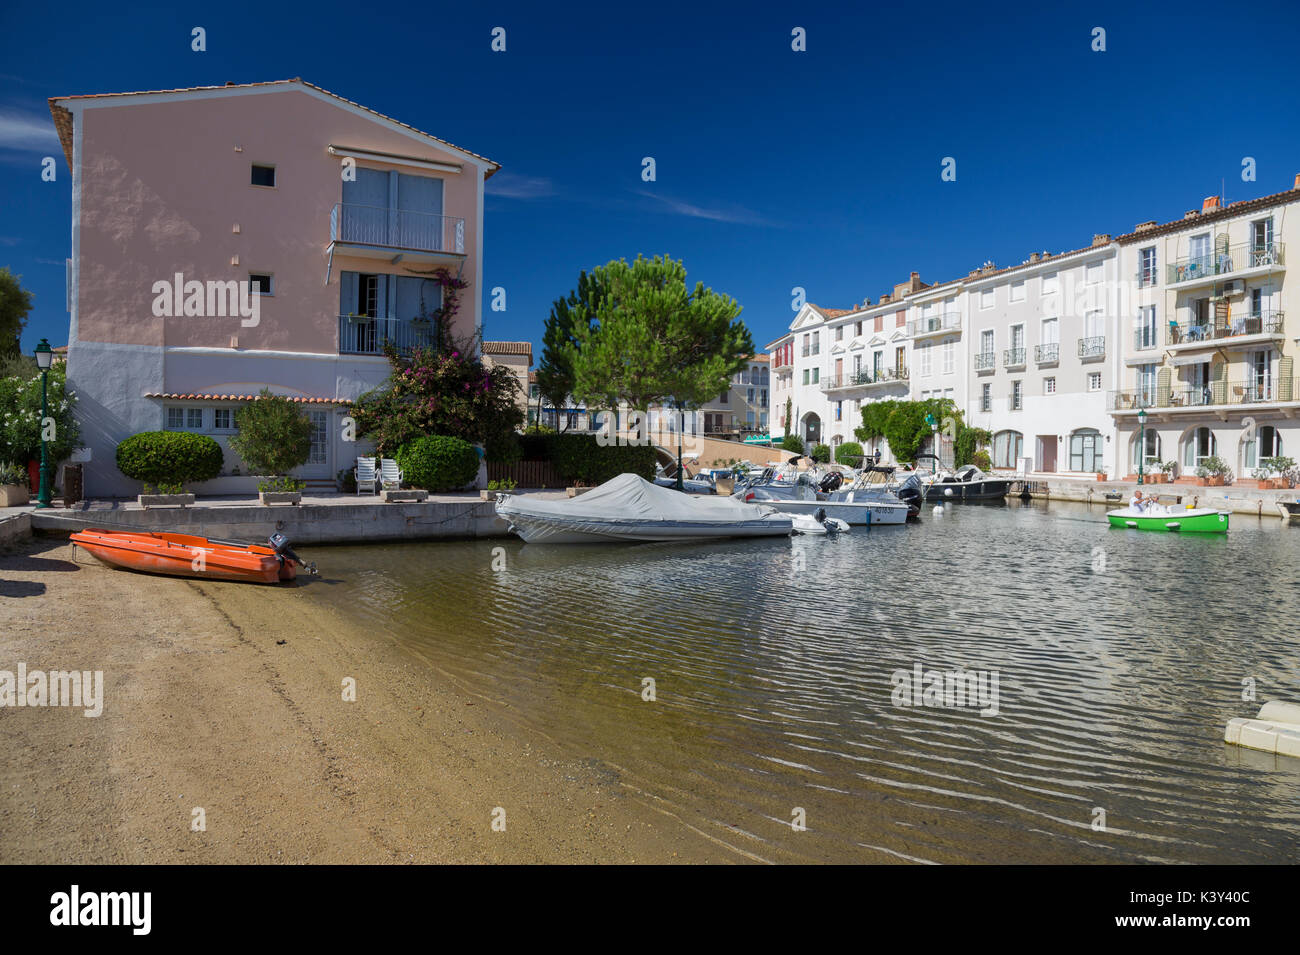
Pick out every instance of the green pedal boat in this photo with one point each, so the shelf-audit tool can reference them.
(1186, 520)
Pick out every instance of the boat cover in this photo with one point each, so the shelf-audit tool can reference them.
(629, 499)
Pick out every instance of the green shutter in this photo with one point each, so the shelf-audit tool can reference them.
(1162, 386)
(1285, 383)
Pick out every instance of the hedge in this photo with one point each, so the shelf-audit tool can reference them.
(169, 457)
(578, 457)
(792, 442)
(820, 452)
(850, 453)
(436, 463)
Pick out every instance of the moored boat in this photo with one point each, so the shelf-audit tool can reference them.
(185, 555)
(628, 508)
(1199, 520)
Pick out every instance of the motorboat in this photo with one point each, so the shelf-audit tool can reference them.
(806, 492)
(1160, 517)
(630, 508)
(184, 555)
(702, 483)
(818, 524)
(964, 485)
(1290, 511)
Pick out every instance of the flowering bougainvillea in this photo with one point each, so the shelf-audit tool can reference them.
(447, 392)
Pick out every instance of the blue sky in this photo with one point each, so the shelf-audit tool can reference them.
(775, 169)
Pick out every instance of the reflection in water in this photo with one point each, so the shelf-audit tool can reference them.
(1120, 657)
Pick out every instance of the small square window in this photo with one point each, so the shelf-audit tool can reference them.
(193, 419)
(263, 175)
(223, 419)
(1049, 386)
(260, 283)
(1094, 381)
(175, 419)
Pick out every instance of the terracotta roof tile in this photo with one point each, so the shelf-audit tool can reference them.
(508, 348)
(1226, 212)
(302, 400)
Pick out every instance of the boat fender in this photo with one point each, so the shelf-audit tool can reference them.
(947, 492)
(938, 510)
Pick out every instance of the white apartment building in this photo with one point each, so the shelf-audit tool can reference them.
(1210, 359)
(1043, 342)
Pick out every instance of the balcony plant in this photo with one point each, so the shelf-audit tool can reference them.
(1213, 471)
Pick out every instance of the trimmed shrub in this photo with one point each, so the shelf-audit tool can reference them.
(850, 453)
(792, 442)
(437, 463)
(578, 457)
(169, 457)
(274, 435)
(820, 452)
(982, 460)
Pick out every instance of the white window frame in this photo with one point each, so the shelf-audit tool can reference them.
(1018, 287)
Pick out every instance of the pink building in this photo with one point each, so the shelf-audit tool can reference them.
(230, 238)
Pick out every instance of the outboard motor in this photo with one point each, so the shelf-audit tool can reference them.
(910, 493)
(832, 528)
(831, 482)
(280, 544)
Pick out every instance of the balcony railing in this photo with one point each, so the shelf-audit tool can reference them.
(1013, 357)
(1251, 391)
(804, 352)
(1262, 322)
(934, 323)
(1094, 347)
(361, 335)
(1146, 337)
(383, 228)
(1225, 261)
(986, 361)
(1147, 277)
(1046, 354)
(858, 379)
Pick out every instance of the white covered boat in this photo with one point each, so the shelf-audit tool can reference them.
(629, 508)
(802, 493)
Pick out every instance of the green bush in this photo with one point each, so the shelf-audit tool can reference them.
(169, 457)
(982, 460)
(820, 452)
(578, 457)
(850, 453)
(274, 435)
(792, 442)
(437, 463)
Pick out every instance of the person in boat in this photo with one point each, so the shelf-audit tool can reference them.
(1140, 503)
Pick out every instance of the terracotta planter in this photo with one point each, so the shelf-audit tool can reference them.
(164, 500)
(1100, 476)
(280, 497)
(14, 495)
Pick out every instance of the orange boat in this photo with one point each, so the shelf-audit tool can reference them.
(184, 555)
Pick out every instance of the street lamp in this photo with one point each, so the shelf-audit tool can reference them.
(44, 358)
(1142, 443)
(681, 425)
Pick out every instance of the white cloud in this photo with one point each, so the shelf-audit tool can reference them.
(27, 133)
(513, 186)
(734, 214)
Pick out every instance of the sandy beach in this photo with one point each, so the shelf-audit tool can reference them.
(229, 698)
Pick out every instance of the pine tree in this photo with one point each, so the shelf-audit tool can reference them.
(555, 374)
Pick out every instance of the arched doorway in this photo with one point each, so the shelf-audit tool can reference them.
(812, 429)
(1007, 448)
(1198, 444)
(1148, 455)
(1265, 442)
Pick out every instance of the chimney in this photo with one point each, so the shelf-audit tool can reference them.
(1297, 181)
(884, 299)
(1033, 257)
(1143, 226)
(1190, 214)
(1209, 204)
(1101, 238)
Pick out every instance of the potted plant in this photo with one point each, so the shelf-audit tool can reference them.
(1213, 472)
(13, 486)
(274, 437)
(1274, 472)
(503, 486)
(165, 461)
(1167, 469)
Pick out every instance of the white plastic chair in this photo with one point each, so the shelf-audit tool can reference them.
(367, 475)
(390, 475)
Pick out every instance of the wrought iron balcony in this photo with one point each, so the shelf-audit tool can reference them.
(986, 361)
(1234, 325)
(1092, 348)
(948, 321)
(1253, 391)
(399, 230)
(1225, 261)
(1046, 354)
(864, 378)
(363, 335)
(1013, 357)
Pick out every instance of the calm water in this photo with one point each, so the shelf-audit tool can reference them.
(1120, 656)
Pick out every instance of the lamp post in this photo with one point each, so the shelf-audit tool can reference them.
(44, 358)
(681, 425)
(1142, 443)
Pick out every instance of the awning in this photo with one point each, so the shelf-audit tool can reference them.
(1180, 360)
